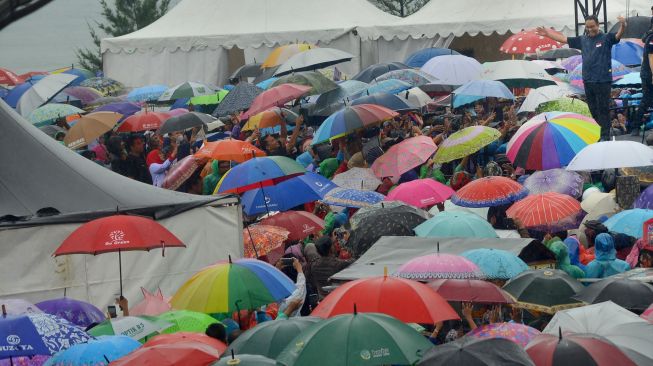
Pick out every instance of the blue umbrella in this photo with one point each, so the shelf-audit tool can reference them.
(392, 86)
(259, 172)
(14, 94)
(629, 222)
(96, 352)
(19, 337)
(286, 195)
(419, 58)
(265, 84)
(124, 108)
(496, 264)
(338, 95)
(456, 224)
(58, 334)
(479, 89)
(628, 53)
(352, 198)
(3, 92)
(146, 93)
(630, 80)
(77, 312)
(373, 71)
(389, 101)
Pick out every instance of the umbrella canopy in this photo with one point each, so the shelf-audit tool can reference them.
(477, 291)
(124, 108)
(188, 89)
(404, 156)
(497, 264)
(565, 104)
(230, 286)
(618, 69)
(528, 41)
(351, 119)
(106, 86)
(558, 53)
(50, 113)
(628, 53)
(488, 192)
(259, 172)
(245, 360)
(261, 239)
(518, 333)
(572, 62)
(373, 71)
(268, 339)
(465, 142)
(19, 307)
(186, 321)
(282, 54)
(300, 224)
(390, 86)
(421, 193)
(474, 90)
(77, 312)
(100, 351)
(406, 300)
(143, 121)
(648, 314)
(545, 94)
(634, 79)
(56, 333)
(355, 198)
(517, 74)
(319, 83)
(276, 96)
(152, 304)
(185, 337)
(630, 294)
(455, 224)
(247, 71)
(470, 351)
(85, 94)
(410, 76)
(637, 27)
(576, 349)
(238, 99)
(415, 97)
(453, 69)
(439, 266)
(550, 212)
(313, 59)
(90, 127)
(229, 150)
(272, 117)
(547, 291)
(418, 58)
(555, 180)
(390, 342)
(389, 101)
(645, 199)
(383, 208)
(149, 93)
(629, 222)
(23, 338)
(8, 78)
(338, 95)
(286, 195)
(185, 121)
(209, 99)
(183, 353)
(42, 92)
(357, 178)
(135, 327)
(612, 155)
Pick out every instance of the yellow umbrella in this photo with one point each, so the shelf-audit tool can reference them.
(90, 127)
(283, 53)
(270, 118)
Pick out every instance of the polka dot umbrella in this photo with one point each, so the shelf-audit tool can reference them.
(528, 41)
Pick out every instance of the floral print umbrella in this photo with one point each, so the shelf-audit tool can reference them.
(518, 333)
(263, 239)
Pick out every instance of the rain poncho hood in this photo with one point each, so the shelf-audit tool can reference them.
(573, 248)
(328, 167)
(562, 257)
(606, 263)
(211, 180)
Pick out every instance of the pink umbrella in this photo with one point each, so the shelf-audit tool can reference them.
(152, 304)
(421, 193)
(177, 112)
(19, 306)
(439, 266)
(275, 97)
(648, 314)
(404, 156)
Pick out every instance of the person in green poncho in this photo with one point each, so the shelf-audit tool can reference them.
(328, 167)
(218, 168)
(557, 247)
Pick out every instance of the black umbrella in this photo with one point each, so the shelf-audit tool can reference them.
(185, 121)
(630, 294)
(247, 71)
(546, 290)
(52, 130)
(637, 26)
(558, 53)
(266, 73)
(389, 101)
(372, 72)
(238, 99)
(469, 351)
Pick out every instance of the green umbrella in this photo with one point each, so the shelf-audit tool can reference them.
(244, 360)
(317, 81)
(465, 142)
(211, 99)
(187, 321)
(49, 113)
(356, 339)
(547, 290)
(270, 338)
(565, 104)
(139, 328)
(455, 224)
(188, 89)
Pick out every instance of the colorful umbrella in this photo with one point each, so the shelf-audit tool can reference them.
(572, 62)
(259, 240)
(182, 353)
(628, 53)
(272, 117)
(49, 113)
(488, 192)
(453, 69)
(143, 121)
(19, 307)
(209, 99)
(276, 96)
(258, 173)
(550, 212)
(352, 198)
(313, 59)
(188, 89)
(229, 150)
(136, 327)
(645, 199)
(77, 312)
(555, 180)
(22, 337)
(518, 333)
(455, 224)
(465, 142)
(85, 94)
(618, 71)
(58, 334)
(97, 352)
(497, 264)
(472, 351)
(421, 193)
(238, 99)
(477, 291)
(438, 266)
(389, 101)
(575, 349)
(565, 104)
(630, 294)
(629, 222)
(89, 128)
(186, 321)
(125, 108)
(612, 155)
(152, 304)
(42, 92)
(346, 339)
(281, 54)
(148, 93)
(390, 86)
(544, 290)
(517, 74)
(404, 156)
(231, 286)
(357, 178)
(9, 78)
(300, 224)
(418, 58)
(318, 83)
(270, 338)
(368, 74)
(410, 76)
(406, 300)
(528, 41)
(185, 337)
(632, 80)
(351, 119)
(105, 85)
(37, 360)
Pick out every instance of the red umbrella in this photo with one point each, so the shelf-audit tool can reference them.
(118, 233)
(488, 192)
(549, 212)
(275, 97)
(181, 337)
(528, 41)
(300, 224)
(575, 349)
(470, 291)
(182, 353)
(9, 78)
(406, 300)
(143, 121)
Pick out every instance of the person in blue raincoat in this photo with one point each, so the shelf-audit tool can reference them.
(605, 263)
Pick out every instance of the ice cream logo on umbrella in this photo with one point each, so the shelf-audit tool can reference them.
(117, 237)
(307, 228)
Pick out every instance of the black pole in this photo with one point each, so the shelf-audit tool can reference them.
(120, 270)
(251, 239)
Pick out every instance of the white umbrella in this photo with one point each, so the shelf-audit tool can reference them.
(357, 178)
(453, 69)
(546, 94)
(313, 59)
(612, 155)
(415, 97)
(517, 74)
(137, 327)
(188, 89)
(607, 319)
(600, 203)
(548, 65)
(41, 92)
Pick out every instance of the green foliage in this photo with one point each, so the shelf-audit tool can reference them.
(400, 8)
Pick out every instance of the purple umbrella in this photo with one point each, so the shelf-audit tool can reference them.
(77, 312)
(645, 199)
(124, 108)
(85, 94)
(555, 180)
(572, 62)
(25, 361)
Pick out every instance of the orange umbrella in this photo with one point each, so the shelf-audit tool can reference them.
(229, 149)
(263, 239)
(270, 118)
(549, 212)
(182, 353)
(90, 127)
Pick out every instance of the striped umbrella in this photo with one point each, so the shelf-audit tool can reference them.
(550, 212)
(465, 142)
(488, 192)
(350, 119)
(257, 173)
(272, 117)
(550, 140)
(188, 89)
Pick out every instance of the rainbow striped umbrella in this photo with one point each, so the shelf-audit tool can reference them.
(350, 119)
(550, 140)
(231, 286)
(465, 142)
